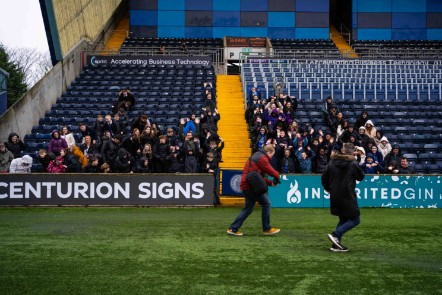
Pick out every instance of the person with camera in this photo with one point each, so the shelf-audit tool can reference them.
(260, 162)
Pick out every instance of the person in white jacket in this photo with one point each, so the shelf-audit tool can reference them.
(384, 146)
(21, 165)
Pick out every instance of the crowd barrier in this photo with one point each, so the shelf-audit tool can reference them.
(306, 191)
(107, 189)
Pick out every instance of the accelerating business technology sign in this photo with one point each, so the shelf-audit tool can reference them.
(306, 191)
(144, 60)
(108, 189)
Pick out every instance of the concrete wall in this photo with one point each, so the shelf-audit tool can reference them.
(82, 19)
(26, 112)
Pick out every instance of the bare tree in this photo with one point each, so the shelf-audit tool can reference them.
(34, 63)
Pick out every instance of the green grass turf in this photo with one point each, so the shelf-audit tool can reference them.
(187, 251)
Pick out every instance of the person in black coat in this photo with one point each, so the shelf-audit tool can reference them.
(339, 180)
(15, 145)
(93, 166)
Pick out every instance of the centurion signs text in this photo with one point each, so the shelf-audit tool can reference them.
(81, 189)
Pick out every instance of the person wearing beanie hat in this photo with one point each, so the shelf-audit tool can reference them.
(339, 180)
(370, 167)
(370, 130)
(21, 165)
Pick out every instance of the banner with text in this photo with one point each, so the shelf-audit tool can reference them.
(109, 189)
(306, 191)
(144, 60)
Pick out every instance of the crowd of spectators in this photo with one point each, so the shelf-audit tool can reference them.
(118, 143)
(301, 147)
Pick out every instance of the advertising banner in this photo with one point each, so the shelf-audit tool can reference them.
(144, 60)
(231, 181)
(107, 189)
(306, 191)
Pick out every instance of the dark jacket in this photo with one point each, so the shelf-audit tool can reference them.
(339, 179)
(72, 163)
(15, 147)
(260, 161)
(124, 163)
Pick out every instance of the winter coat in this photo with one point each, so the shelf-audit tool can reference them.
(57, 165)
(70, 139)
(15, 148)
(57, 144)
(109, 151)
(91, 169)
(5, 160)
(391, 157)
(175, 164)
(287, 165)
(76, 151)
(339, 179)
(21, 165)
(72, 163)
(260, 162)
(320, 163)
(190, 164)
(305, 165)
(384, 149)
(124, 162)
(46, 160)
(142, 167)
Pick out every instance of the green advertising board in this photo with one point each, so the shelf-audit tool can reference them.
(393, 191)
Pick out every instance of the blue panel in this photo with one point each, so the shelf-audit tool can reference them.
(374, 34)
(143, 18)
(434, 6)
(409, 20)
(312, 33)
(374, 6)
(408, 34)
(144, 31)
(354, 20)
(198, 5)
(281, 19)
(226, 18)
(409, 6)
(223, 5)
(280, 33)
(171, 32)
(312, 5)
(254, 5)
(253, 32)
(170, 4)
(199, 32)
(434, 34)
(220, 32)
(171, 18)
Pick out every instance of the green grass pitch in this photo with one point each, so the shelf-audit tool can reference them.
(187, 251)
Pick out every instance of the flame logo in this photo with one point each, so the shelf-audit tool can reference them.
(294, 195)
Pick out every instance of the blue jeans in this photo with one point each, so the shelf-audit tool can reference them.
(345, 224)
(251, 199)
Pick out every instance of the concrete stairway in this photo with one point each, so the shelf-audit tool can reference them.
(118, 36)
(341, 43)
(232, 127)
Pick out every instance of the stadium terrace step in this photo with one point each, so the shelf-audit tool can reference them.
(232, 127)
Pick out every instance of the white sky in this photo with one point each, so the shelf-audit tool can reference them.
(21, 24)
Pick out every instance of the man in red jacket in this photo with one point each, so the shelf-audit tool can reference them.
(260, 161)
